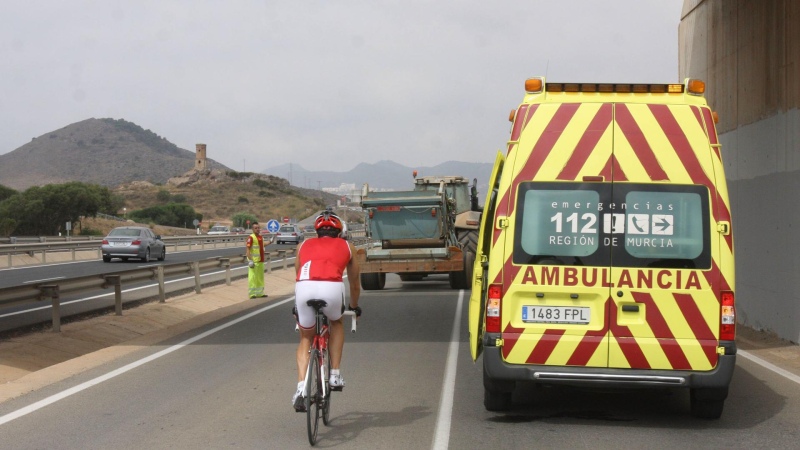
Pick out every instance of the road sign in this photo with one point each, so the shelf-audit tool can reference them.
(273, 226)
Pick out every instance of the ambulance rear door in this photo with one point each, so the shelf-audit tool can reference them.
(663, 313)
(555, 305)
(480, 272)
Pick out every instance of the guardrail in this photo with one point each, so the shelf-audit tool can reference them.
(33, 247)
(45, 246)
(53, 290)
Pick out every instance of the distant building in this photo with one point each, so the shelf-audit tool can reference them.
(200, 162)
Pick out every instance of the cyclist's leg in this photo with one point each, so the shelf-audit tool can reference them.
(306, 337)
(304, 291)
(336, 343)
(334, 313)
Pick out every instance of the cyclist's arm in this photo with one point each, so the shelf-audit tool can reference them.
(353, 276)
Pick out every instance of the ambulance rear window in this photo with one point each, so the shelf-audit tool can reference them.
(619, 224)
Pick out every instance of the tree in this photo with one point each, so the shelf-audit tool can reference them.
(6, 192)
(163, 195)
(171, 214)
(44, 210)
(241, 219)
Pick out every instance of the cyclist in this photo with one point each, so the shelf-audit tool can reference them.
(319, 267)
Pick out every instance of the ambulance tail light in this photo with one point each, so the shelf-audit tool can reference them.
(727, 323)
(495, 296)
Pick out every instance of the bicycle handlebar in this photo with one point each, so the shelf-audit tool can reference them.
(353, 321)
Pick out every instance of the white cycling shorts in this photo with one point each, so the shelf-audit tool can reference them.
(330, 291)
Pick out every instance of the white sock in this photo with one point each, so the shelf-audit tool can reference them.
(300, 384)
(334, 372)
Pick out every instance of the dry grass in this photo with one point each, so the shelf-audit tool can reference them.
(218, 197)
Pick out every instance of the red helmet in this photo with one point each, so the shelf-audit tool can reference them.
(328, 219)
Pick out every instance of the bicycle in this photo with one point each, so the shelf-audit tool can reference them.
(317, 390)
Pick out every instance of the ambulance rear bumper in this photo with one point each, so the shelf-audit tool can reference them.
(503, 375)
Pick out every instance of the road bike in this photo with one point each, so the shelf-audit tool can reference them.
(317, 390)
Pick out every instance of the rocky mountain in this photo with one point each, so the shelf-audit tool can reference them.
(115, 152)
(381, 175)
(108, 152)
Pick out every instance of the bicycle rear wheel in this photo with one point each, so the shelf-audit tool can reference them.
(326, 409)
(313, 396)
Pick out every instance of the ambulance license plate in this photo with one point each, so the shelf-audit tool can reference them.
(556, 314)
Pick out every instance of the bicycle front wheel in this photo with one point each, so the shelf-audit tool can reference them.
(313, 396)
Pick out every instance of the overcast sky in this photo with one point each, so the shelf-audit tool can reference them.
(325, 84)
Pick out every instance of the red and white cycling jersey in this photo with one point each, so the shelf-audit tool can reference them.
(323, 259)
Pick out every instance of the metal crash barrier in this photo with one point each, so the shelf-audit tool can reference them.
(55, 290)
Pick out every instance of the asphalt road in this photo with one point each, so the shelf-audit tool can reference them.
(410, 384)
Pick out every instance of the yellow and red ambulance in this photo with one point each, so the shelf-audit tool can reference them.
(605, 256)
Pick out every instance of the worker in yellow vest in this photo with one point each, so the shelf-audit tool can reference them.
(255, 260)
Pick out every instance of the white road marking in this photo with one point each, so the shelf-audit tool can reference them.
(43, 279)
(769, 365)
(86, 385)
(441, 436)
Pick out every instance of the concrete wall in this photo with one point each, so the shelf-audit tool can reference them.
(748, 52)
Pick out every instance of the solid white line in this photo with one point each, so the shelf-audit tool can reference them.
(441, 437)
(43, 279)
(83, 386)
(769, 365)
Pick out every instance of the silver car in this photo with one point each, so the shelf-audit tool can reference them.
(133, 242)
(289, 233)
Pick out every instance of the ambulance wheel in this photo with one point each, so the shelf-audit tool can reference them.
(496, 394)
(707, 403)
(373, 281)
(496, 401)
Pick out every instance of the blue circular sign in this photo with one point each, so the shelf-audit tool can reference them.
(273, 226)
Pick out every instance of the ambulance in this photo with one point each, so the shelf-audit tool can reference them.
(605, 255)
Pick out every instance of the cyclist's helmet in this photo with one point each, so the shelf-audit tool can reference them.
(328, 224)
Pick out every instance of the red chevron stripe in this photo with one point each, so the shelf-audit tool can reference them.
(587, 143)
(630, 349)
(510, 337)
(689, 159)
(519, 122)
(544, 145)
(541, 149)
(612, 170)
(713, 276)
(711, 129)
(663, 334)
(544, 348)
(630, 129)
(588, 345)
(703, 334)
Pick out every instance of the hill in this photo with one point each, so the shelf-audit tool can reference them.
(108, 152)
(381, 175)
(219, 195)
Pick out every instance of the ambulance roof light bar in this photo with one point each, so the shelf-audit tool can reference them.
(537, 85)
